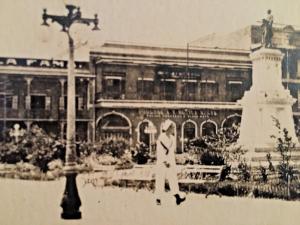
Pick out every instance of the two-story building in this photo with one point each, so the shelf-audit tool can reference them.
(137, 87)
(33, 91)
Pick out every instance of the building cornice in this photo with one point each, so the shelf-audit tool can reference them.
(42, 71)
(197, 57)
(160, 104)
(212, 63)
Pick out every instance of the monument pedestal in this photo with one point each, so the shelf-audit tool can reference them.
(265, 102)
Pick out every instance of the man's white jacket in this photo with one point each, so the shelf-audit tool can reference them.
(166, 147)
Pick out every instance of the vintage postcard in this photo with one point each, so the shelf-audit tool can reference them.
(165, 112)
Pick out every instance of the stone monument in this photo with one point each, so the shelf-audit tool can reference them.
(267, 99)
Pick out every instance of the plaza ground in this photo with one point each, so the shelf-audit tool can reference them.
(37, 203)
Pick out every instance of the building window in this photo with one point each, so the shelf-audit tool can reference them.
(298, 68)
(208, 129)
(235, 90)
(168, 89)
(145, 88)
(189, 132)
(79, 104)
(113, 126)
(114, 87)
(209, 90)
(144, 136)
(6, 101)
(189, 90)
(38, 102)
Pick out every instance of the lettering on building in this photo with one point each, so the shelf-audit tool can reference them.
(178, 113)
(50, 63)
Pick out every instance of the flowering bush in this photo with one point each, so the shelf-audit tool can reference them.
(125, 161)
(141, 154)
(220, 149)
(34, 147)
(113, 151)
(115, 147)
(106, 159)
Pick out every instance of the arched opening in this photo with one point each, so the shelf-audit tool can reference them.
(188, 132)
(146, 133)
(113, 125)
(230, 127)
(208, 128)
(231, 121)
(143, 135)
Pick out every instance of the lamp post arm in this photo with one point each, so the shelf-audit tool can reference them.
(72, 17)
(61, 20)
(86, 21)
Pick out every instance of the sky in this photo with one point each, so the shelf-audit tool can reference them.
(151, 22)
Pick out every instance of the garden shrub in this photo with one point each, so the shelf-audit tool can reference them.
(125, 162)
(228, 190)
(211, 157)
(264, 174)
(219, 149)
(115, 147)
(245, 171)
(34, 147)
(141, 154)
(285, 147)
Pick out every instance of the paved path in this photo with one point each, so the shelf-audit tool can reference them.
(37, 203)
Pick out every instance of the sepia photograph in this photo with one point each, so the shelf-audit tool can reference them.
(136, 112)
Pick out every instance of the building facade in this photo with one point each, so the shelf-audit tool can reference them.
(138, 87)
(128, 90)
(33, 91)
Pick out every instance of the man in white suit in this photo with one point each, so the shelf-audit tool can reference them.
(166, 165)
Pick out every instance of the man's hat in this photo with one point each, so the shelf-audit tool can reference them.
(166, 124)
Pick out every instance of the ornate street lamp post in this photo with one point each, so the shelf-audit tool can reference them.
(71, 200)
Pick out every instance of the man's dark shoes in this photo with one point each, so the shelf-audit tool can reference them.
(158, 202)
(179, 199)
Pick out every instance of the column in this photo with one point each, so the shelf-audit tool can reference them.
(62, 126)
(179, 93)
(62, 92)
(198, 91)
(28, 97)
(90, 93)
(28, 125)
(91, 131)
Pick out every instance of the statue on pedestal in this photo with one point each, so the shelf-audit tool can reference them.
(267, 32)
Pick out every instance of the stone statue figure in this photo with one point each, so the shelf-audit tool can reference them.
(16, 132)
(267, 32)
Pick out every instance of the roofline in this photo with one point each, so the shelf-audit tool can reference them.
(97, 50)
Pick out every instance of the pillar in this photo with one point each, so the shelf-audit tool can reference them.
(28, 97)
(62, 92)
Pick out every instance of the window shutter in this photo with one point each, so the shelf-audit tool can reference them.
(27, 102)
(15, 102)
(48, 103)
(61, 103)
(80, 103)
